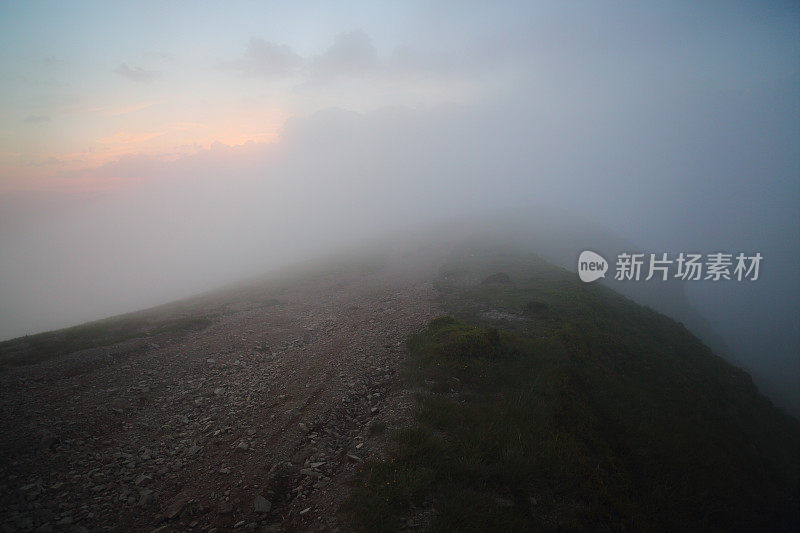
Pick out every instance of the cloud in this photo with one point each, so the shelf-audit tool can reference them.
(351, 53)
(136, 74)
(267, 59)
(37, 119)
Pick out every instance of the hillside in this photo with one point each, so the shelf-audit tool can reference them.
(251, 407)
(548, 404)
(334, 398)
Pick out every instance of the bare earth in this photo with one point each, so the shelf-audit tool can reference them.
(257, 422)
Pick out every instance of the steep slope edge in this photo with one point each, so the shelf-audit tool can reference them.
(551, 404)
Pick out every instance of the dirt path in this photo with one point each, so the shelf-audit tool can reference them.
(256, 422)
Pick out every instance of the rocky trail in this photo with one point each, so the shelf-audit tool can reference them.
(256, 422)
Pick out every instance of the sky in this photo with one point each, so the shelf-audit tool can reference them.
(152, 150)
(85, 83)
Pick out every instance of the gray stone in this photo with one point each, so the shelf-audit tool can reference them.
(261, 504)
(176, 505)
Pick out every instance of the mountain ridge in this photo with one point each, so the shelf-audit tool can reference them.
(290, 391)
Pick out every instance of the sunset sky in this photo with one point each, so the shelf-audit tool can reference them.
(87, 83)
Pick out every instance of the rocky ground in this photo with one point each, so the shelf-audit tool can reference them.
(257, 422)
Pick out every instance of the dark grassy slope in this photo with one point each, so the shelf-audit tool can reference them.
(550, 404)
(42, 346)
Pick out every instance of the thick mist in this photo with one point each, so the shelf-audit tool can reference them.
(663, 130)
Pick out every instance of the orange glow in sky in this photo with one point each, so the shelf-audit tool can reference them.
(37, 165)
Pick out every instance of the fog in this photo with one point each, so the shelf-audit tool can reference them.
(664, 130)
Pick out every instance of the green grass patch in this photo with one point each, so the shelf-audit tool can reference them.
(590, 413)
